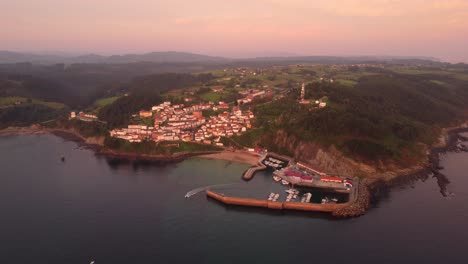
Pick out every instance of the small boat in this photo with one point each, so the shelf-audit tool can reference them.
(284, 182)
(270, 197)
(334, 200)
(275, 197)
(276, 178)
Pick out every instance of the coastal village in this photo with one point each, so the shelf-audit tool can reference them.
(212, 115)
(208, 119)
(187, 121)
(179, 123)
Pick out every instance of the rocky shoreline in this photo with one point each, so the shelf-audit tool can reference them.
(97, 145)
(450, 143)
(371, 190)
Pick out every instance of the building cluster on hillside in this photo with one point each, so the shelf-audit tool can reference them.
(83, 116)
(249, 95)
(179, 123)
(226, 124)
(243, 72)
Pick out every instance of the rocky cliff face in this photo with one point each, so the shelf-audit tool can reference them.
(332, 161)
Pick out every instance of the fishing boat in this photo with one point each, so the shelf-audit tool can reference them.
(276, 178)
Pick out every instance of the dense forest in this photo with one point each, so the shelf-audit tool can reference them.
(383, 116)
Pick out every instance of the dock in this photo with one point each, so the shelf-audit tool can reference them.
(249, 173)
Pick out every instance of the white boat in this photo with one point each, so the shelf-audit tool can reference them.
(276, 178)
(284, 182)
(270, 197)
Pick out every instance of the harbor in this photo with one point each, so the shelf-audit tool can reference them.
(289, 185)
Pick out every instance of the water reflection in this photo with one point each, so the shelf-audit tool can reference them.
(138, 165)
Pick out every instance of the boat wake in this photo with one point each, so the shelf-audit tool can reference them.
(201, 189)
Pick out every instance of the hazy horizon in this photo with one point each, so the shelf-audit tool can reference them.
(240, 28)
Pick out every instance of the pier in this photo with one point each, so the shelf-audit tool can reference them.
(311, 207)
(249, 173)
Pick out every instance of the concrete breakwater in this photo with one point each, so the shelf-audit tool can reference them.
(360, 203)
(248, 174)
(230, 200)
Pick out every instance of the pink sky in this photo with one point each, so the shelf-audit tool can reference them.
(239, 28)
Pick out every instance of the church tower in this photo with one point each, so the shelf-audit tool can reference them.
(302, 92)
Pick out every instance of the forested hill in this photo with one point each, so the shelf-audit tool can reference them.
(382, 117)
(144, 92)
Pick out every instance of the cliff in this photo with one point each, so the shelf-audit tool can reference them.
(332, 161)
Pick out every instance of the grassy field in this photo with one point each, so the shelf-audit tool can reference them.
(142, 121)
(106, 101)
(192, 147)
(441, 83)
(453, 74)
(349, 83)
(211, 96)
(11, 101)
(8, 101)
(421, 71)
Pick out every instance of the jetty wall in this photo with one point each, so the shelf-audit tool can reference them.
(248, 174)
(328, 208)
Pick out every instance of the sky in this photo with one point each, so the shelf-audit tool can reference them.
(239, 28)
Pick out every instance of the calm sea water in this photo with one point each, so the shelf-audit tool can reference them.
(88, 208)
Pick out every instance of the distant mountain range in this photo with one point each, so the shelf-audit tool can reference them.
(155, 57)
(8, 57)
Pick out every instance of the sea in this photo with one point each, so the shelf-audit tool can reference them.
(91, 208)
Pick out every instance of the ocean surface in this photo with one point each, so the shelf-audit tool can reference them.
(90, 208)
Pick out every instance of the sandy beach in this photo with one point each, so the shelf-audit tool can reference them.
(236, 156)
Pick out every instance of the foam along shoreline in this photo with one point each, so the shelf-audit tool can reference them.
(234, 156)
